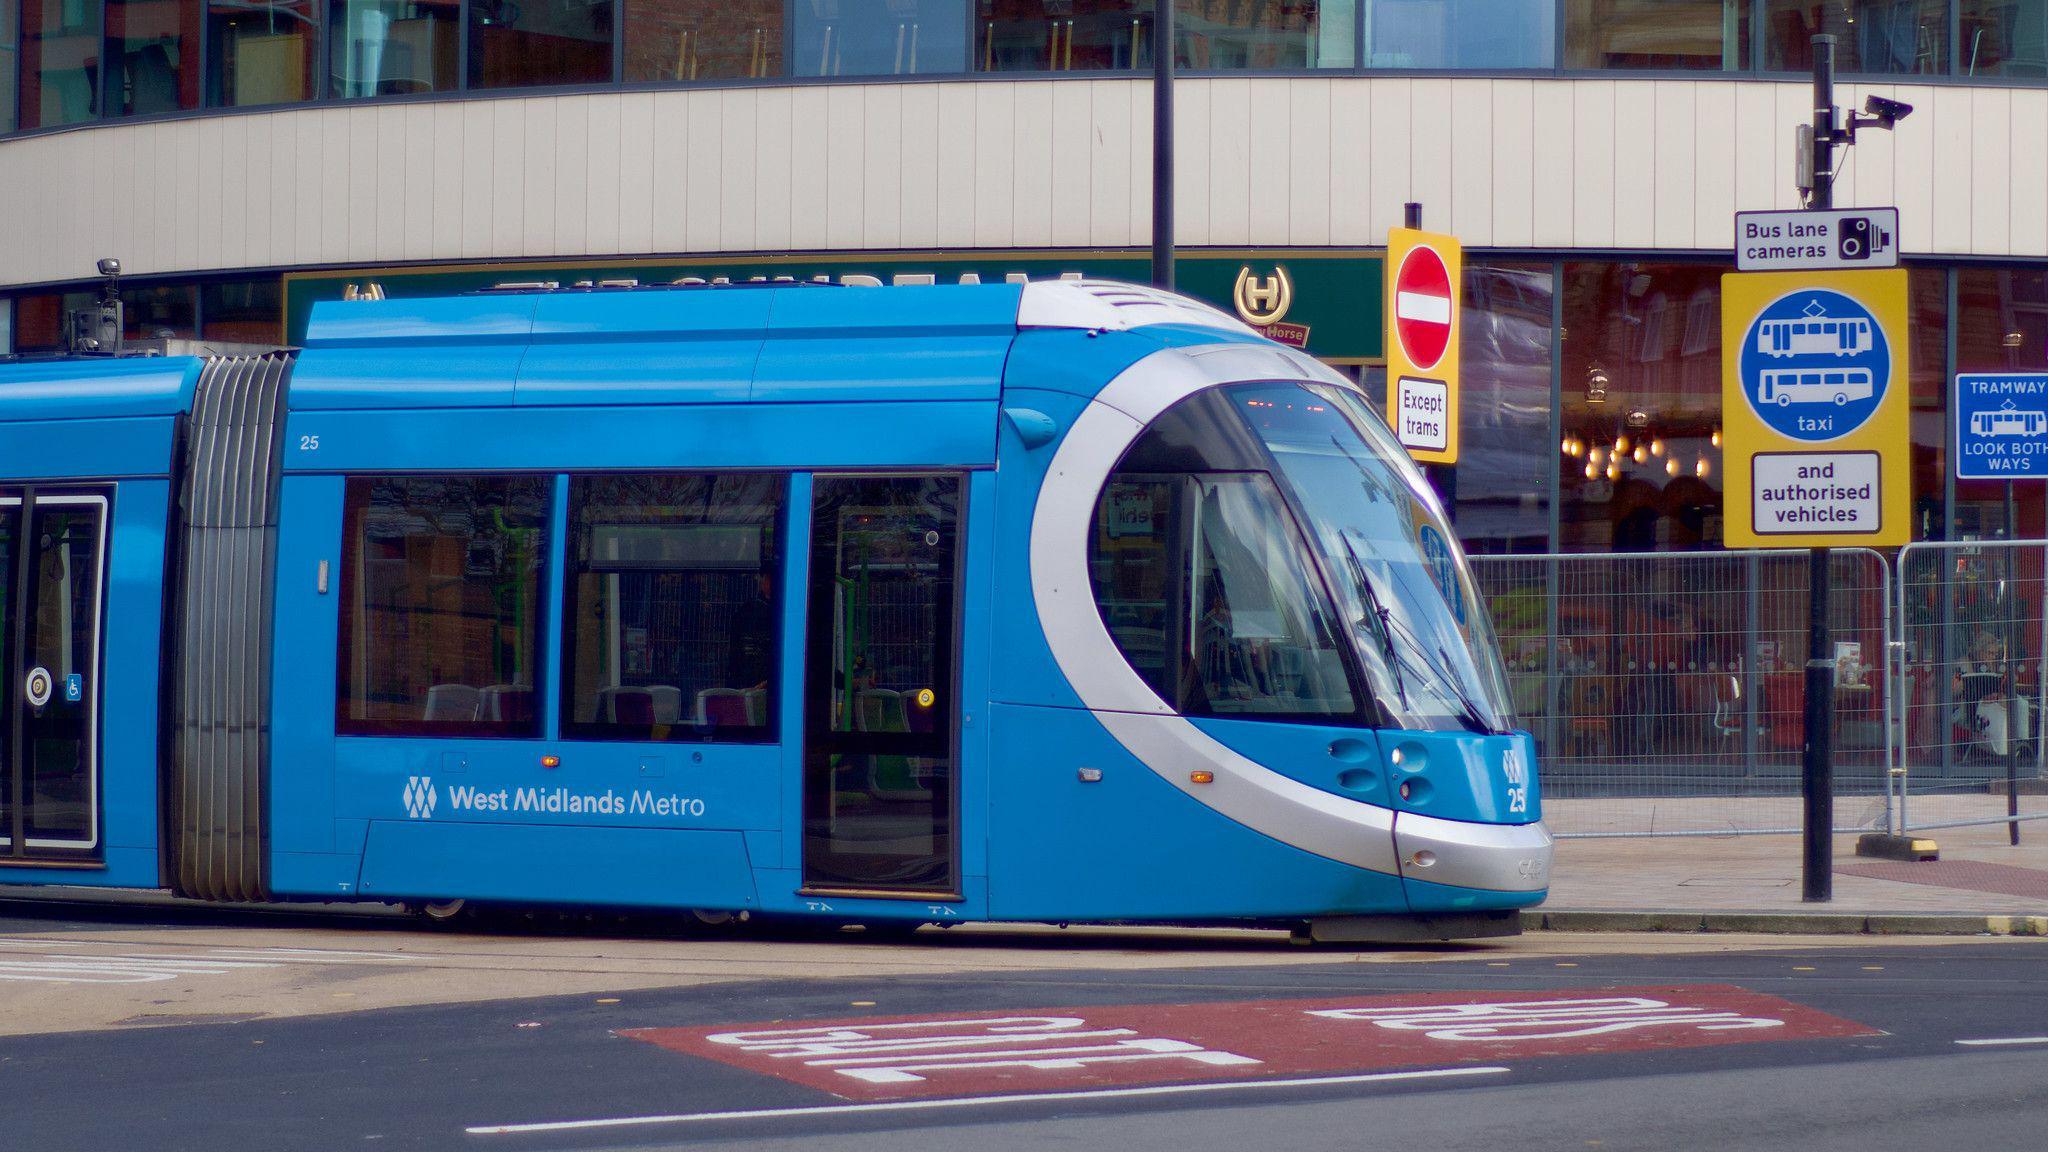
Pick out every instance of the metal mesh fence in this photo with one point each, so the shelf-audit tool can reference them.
(1970, 682)
(1667, 691)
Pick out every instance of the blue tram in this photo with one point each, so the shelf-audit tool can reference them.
(1053, 602)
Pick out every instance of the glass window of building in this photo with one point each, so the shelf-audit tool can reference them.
(1927, 298)
(2002, 38)
(259, 53)
(528, 43)
(1500, 491)
(674, 607)
(161, 312)
(154, 47)
(440, 605)
(877, 37)
(1062, 35)
(1657, 34)
(9, 25)
(1640, 458)
(1886, 37)
(392, 47)
(2001, 326)
(59, 62)
(242, 311)
(1225, 34)
(669, 40)
(1476, 34)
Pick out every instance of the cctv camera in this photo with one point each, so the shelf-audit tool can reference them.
(110, 267)
(1887, 112)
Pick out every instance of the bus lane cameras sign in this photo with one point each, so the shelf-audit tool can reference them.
(1814, 399)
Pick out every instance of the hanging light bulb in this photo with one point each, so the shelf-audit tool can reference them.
(1593, 457)
(1592, 470)
(1715, 439)
(1641, 454)
(1657, 447)
(1565, 446)
(1613, 470)
(1701, 468)
(1671, 466)
(1621, 443)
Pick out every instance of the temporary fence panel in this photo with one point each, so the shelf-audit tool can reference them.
(1667, 691)
(1971, 687)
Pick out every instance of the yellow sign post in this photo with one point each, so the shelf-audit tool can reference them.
(1815, 409)
(1425, 275)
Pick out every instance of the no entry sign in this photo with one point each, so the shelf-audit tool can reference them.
(1424, 274)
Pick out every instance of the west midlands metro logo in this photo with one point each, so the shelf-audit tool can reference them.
(1815, 365)
(419, 797)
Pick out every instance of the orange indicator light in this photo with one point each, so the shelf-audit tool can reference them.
(551, 761)
(1202, 777)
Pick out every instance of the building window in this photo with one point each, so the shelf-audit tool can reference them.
(1223, 34)
(1640, 457)
(2003, 38)
(528, 43)
(1885, 38)
(60, 53)
(156, 45)
(440, 605)
(675, 607)
(10, 25)
(1062, 35)
(242, 311)
(392, 47)
(2001, 326)
(1500, 491)
(6, 326)
(259, 53)
(1657, 34)
(1474, 34)
(703, 39)
(878, 37)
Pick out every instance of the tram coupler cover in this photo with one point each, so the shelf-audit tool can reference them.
(1409, 929)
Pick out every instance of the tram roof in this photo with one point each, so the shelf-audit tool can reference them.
(96, 388)
(765, 342)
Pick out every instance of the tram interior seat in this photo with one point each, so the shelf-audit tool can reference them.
(724, 707)
(668, 703)
(757, 706)
(451, 702)
(633, 707)
(511, 703)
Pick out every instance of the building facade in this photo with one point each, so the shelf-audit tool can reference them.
(244, 159)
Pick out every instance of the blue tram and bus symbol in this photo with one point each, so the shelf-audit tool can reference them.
(1815, 365)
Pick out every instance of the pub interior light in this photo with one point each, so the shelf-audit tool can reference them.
(2014, 339)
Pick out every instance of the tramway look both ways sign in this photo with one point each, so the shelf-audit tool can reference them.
(1815, 409)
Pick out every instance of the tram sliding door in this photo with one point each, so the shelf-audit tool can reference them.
(880, 703)
(50, 603)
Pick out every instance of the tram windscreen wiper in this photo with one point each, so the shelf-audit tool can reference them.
(1381, 616)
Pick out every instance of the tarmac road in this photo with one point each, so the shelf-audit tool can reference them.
(170, 1029)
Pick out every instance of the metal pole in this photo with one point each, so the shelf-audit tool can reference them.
(1162, 143)
(1817, 782)
(2009, 558)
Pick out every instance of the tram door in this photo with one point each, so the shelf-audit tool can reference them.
(52, 564)
(880, 706)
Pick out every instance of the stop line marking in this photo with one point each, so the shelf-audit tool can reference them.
(2005, 1040)
(73, 962)
(975, 1101)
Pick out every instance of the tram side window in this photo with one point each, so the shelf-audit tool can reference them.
(674, 605)
(441, 605)
(1201, 582)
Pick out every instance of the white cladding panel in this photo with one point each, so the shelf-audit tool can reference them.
(1592, 163)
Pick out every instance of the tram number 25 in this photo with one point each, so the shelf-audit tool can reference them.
(309, 443)
(1517, 780)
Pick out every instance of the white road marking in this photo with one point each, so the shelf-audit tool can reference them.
(2005, 1040)
(72, 961)
(970, 1101)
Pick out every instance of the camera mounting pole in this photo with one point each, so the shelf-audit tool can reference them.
(1816, 769)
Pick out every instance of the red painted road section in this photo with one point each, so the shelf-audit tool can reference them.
(1055, 1049)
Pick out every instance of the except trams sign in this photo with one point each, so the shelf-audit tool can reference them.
(1814, 404)
(1816, 239)
(1424, 273)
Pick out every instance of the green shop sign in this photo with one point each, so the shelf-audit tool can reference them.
(1326, 301)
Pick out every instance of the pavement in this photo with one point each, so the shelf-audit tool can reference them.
(1697, 881)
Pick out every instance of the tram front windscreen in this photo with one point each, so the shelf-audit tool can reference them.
(1267, 550)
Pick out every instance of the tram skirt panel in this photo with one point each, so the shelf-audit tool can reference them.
(218, 696)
